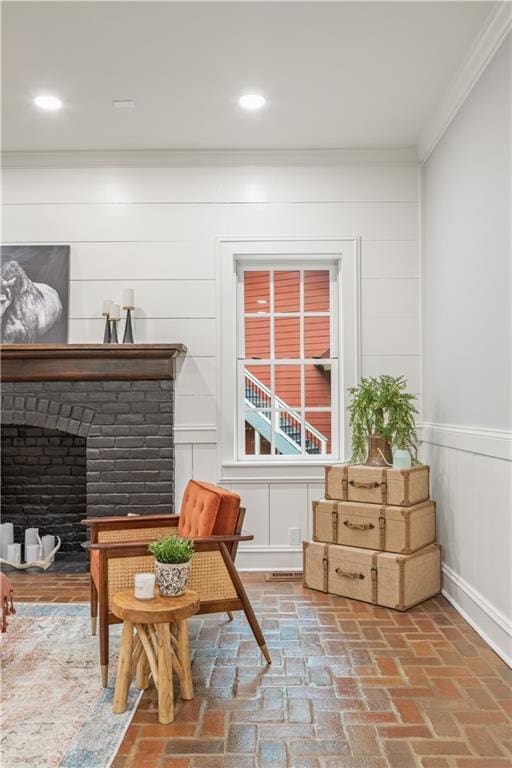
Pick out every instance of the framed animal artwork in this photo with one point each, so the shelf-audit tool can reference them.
(34, 294)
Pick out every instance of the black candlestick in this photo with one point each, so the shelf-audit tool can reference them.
(113, 338)
(107, 335)
(128, 330)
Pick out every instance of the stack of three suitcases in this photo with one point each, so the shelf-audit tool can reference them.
(374, 536)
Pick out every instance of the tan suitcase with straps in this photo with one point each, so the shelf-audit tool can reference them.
(374, 526)
(382, 578)
(377, 485)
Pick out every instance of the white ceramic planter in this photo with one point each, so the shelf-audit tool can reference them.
(401, 459)
(171, 578)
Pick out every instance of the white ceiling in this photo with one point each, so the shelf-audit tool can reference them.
(335, 74)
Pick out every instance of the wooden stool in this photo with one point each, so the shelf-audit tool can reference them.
(160, 645)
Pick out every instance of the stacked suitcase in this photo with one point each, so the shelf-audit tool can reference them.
(374, 536)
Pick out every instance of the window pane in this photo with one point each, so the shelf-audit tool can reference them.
(257, 386)
(257, 433)
(287, 291)
(288, 384)
(287, 337)
(257, 337)
(256, 291)
(318, 386)
(318, 432)
(289, 433)
(316, 290)
(317, 337)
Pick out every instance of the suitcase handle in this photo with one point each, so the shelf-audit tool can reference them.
(359, 526)
(355, 484)
(349, 574)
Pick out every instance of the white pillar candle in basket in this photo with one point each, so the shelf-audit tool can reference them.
(144, 586)
(48, 545)
(6, 538)
(31, 553)
(14, 553)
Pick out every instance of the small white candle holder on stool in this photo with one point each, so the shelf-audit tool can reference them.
(144, 586)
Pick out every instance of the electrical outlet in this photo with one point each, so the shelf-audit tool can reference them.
(294, 537)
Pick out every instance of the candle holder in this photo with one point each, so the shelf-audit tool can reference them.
(113, 332)
(128, 330)
(107, 334)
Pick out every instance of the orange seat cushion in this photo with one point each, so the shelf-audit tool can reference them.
(207, 509)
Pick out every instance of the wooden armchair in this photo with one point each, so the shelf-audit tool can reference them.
(211, 517)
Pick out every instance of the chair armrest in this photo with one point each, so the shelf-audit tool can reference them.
(127, 545)
(130, 521)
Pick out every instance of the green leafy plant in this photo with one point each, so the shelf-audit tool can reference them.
(381, 406)
(172, 549)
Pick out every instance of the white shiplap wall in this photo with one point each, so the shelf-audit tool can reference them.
(154, 229)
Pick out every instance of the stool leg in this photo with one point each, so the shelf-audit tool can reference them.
(124, 669)
(165, 686)
(187, 688)
(143, 672)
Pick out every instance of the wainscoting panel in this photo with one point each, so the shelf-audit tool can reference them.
(474, 497)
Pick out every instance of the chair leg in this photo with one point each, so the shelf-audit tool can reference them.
(230, 615)
(248, 609)
(94, 607)
(104, 645)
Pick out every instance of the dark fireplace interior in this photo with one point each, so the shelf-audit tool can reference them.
(44, 483)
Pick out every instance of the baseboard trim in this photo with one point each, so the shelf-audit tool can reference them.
(264, 558)
(492, 625)
(485, 442)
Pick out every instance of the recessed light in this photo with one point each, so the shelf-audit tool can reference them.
(47, 102)
(252, 101)
(261, 301)
(123, 103)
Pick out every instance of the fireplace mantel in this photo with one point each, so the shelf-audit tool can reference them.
(89, 362)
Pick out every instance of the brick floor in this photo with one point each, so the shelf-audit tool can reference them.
(351, 686)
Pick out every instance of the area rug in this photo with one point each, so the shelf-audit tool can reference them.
(54, 712)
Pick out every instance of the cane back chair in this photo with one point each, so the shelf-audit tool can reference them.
(212, 517)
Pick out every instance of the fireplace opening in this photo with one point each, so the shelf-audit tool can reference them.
(44, 483)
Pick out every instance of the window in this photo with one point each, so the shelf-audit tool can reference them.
(288, 351)
(287, 360)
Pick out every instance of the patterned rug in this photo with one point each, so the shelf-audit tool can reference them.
(54, 712)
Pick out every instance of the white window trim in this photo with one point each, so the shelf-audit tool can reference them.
(344, 251)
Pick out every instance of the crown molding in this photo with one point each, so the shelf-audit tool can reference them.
(178, 158)
(498, 25)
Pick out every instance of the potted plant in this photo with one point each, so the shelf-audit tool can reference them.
(172, 561)
(382, 417)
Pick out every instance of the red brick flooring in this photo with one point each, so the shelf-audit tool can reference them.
(351, 686)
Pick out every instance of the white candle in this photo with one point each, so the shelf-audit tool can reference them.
(144, 586)
(48, 545)
(107, 303)
(31, 536)
(6, 538)
(128, 298)
(31, 553)
(115, 312)
(14, 553)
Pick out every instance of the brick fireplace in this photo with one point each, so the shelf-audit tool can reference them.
(86, 430)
